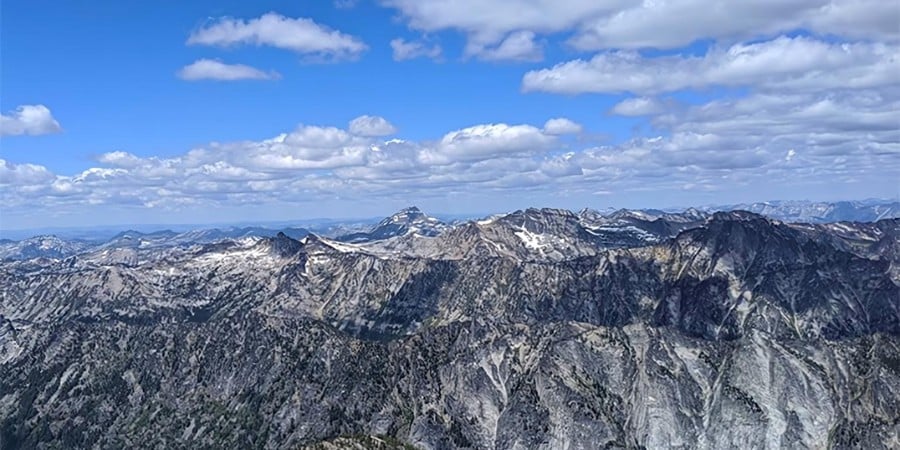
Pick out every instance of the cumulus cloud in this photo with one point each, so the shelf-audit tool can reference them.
(518, 46)
(371, 126)
(624, 24)
(677, 23)
(561, 166)
(775, 140)
(307, 147)
(823, 125)
(782, 63)
(404, 50)
(494, 19)
(637, 106)
(23, 175)
(487, 141)
(119, 159)
(208, 69)
(500, 30)
(561, 125)
(816, 110)
(29, 120)
(300, 35)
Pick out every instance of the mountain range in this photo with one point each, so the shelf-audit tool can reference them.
(820, 212)
(412, 221)
(540, 328)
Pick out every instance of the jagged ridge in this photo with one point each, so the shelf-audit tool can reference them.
(520, 331)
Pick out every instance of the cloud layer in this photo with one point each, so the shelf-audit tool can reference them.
(783, 63)
(621, 24)
(779, 141)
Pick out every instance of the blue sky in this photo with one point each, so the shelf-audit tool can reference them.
(170, 111)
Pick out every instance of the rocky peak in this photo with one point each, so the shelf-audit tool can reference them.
(405, 216)
(541, 220)
(410, 220)
(284, 246)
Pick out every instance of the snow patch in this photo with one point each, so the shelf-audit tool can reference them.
(341, 247)
(531, 240)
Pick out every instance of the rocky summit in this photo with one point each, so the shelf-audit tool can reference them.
(535, 329)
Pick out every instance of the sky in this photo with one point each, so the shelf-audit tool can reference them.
(165, 111)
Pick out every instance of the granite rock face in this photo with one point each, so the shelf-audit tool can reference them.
(538, 329)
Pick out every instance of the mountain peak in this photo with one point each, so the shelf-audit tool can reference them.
(737, 215)
(284, 245)
(407, 214)
(410, 220)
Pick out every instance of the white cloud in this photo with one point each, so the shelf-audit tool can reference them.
(518, 46)
(307, 147)
(404, 50)
(498, 30)
(560, 166)
(676, 23)
(482, 142)
(489, 21)
(795, 63)
(803, 117)
(561, 125)
(345, 4)
(869, 19)
(790, 155)
(810, 112)
(23, 175)
(774, 140)
(637, 106)
(299, 35)
(371, 126)
(626, 24)
(120, 159)
(30, 120)
(208, 69)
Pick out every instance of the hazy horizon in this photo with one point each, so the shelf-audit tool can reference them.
(313, 221)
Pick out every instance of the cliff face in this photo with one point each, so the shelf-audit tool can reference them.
(539, 329)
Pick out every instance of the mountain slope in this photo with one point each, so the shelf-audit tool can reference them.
(524, 331)
(45, 246)
(404, 222)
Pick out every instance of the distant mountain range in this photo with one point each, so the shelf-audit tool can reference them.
(820, 212)
(615, 226)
